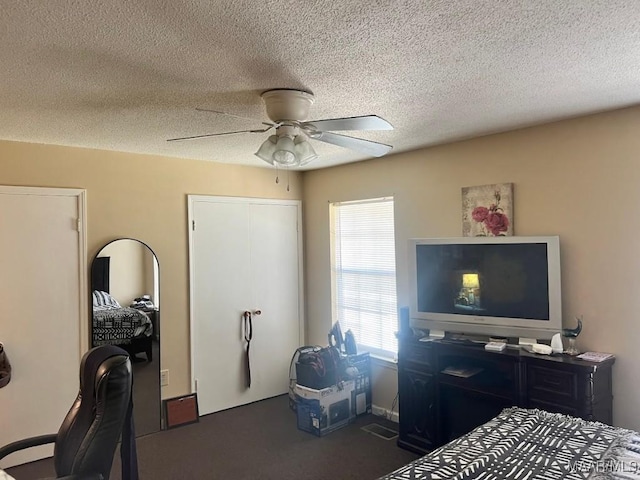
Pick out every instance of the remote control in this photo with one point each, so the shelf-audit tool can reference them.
(495, 346)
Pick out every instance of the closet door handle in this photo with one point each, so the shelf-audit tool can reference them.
(248, 335)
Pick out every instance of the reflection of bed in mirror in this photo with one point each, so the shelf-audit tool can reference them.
(125, 312)
(113, 324)
(127, 327)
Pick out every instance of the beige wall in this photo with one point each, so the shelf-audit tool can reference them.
(127, 273)
(149, 267)
(143, 197)
(579, 179)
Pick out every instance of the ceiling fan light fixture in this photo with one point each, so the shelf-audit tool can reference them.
(267, 149)
(304, 151)
(285, 153)
(288, 110)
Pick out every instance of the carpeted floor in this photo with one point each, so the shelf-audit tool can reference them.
(257, 441)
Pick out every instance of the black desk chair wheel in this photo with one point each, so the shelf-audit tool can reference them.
(102, 411)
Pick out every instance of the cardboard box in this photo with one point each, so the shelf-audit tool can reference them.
(323, 411)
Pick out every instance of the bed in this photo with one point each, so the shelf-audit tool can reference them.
(127, 327)
(533, 444)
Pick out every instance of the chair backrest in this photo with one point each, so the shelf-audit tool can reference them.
(89, 434)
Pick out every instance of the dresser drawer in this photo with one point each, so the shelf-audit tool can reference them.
(418, 353)
(552, 384)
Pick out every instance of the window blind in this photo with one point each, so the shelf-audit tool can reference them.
(364, 272)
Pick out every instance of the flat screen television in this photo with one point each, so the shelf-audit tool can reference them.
(490, 286)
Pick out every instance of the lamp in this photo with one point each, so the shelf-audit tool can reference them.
(286, 151)
(471, 284)
(470, 280)
(304, 151)
(265, 152)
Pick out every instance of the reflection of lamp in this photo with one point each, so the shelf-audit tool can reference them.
(470, 280)
(286, 151)
(471, 283)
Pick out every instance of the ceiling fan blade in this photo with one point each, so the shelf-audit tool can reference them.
(218, 134)
(366, 122)
(361, 145)
(232, 115)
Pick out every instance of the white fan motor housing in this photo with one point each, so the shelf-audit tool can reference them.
(287, 105)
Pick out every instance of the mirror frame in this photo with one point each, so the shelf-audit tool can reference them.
(161, 424)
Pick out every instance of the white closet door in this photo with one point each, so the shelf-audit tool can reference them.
(244, 256)
(42, 312)
(274, 281)
(220, 292)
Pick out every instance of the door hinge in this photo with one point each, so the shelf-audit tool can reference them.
(78, 225)
(193, 225)
(196, 385)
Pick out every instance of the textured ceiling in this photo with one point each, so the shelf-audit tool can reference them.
(127, 75)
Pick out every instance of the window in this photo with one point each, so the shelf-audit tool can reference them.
(364, 273)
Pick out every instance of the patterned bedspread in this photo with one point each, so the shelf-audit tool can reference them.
(532, 445)
(118, 325)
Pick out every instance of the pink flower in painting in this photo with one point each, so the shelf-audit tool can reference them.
(479, 214)
(493, 219)
(496, 222)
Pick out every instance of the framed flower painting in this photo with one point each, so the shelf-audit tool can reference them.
(487, 210)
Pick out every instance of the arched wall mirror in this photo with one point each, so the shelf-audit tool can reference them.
(126, 312)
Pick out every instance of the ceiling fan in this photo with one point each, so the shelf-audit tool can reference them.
(288, 147)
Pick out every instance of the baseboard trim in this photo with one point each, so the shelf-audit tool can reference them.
(386, 413)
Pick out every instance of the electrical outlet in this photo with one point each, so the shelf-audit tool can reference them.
(164, 378)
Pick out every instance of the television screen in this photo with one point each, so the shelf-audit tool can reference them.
(507, 286)
(497, 280)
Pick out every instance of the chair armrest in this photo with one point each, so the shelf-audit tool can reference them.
(27, 443)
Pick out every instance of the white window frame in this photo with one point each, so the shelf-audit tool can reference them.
(387, 339)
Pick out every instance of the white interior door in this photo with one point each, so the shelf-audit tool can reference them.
(274, 281)
(43, 323)
(220, 292)
(244, 255)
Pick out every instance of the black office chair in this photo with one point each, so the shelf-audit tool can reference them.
(102, 411)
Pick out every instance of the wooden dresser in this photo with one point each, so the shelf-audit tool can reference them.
(436, 407)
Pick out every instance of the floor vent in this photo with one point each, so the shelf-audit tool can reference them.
(380, 431)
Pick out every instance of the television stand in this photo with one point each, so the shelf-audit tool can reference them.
(458, 341)
(461, 339)
(447, 389)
